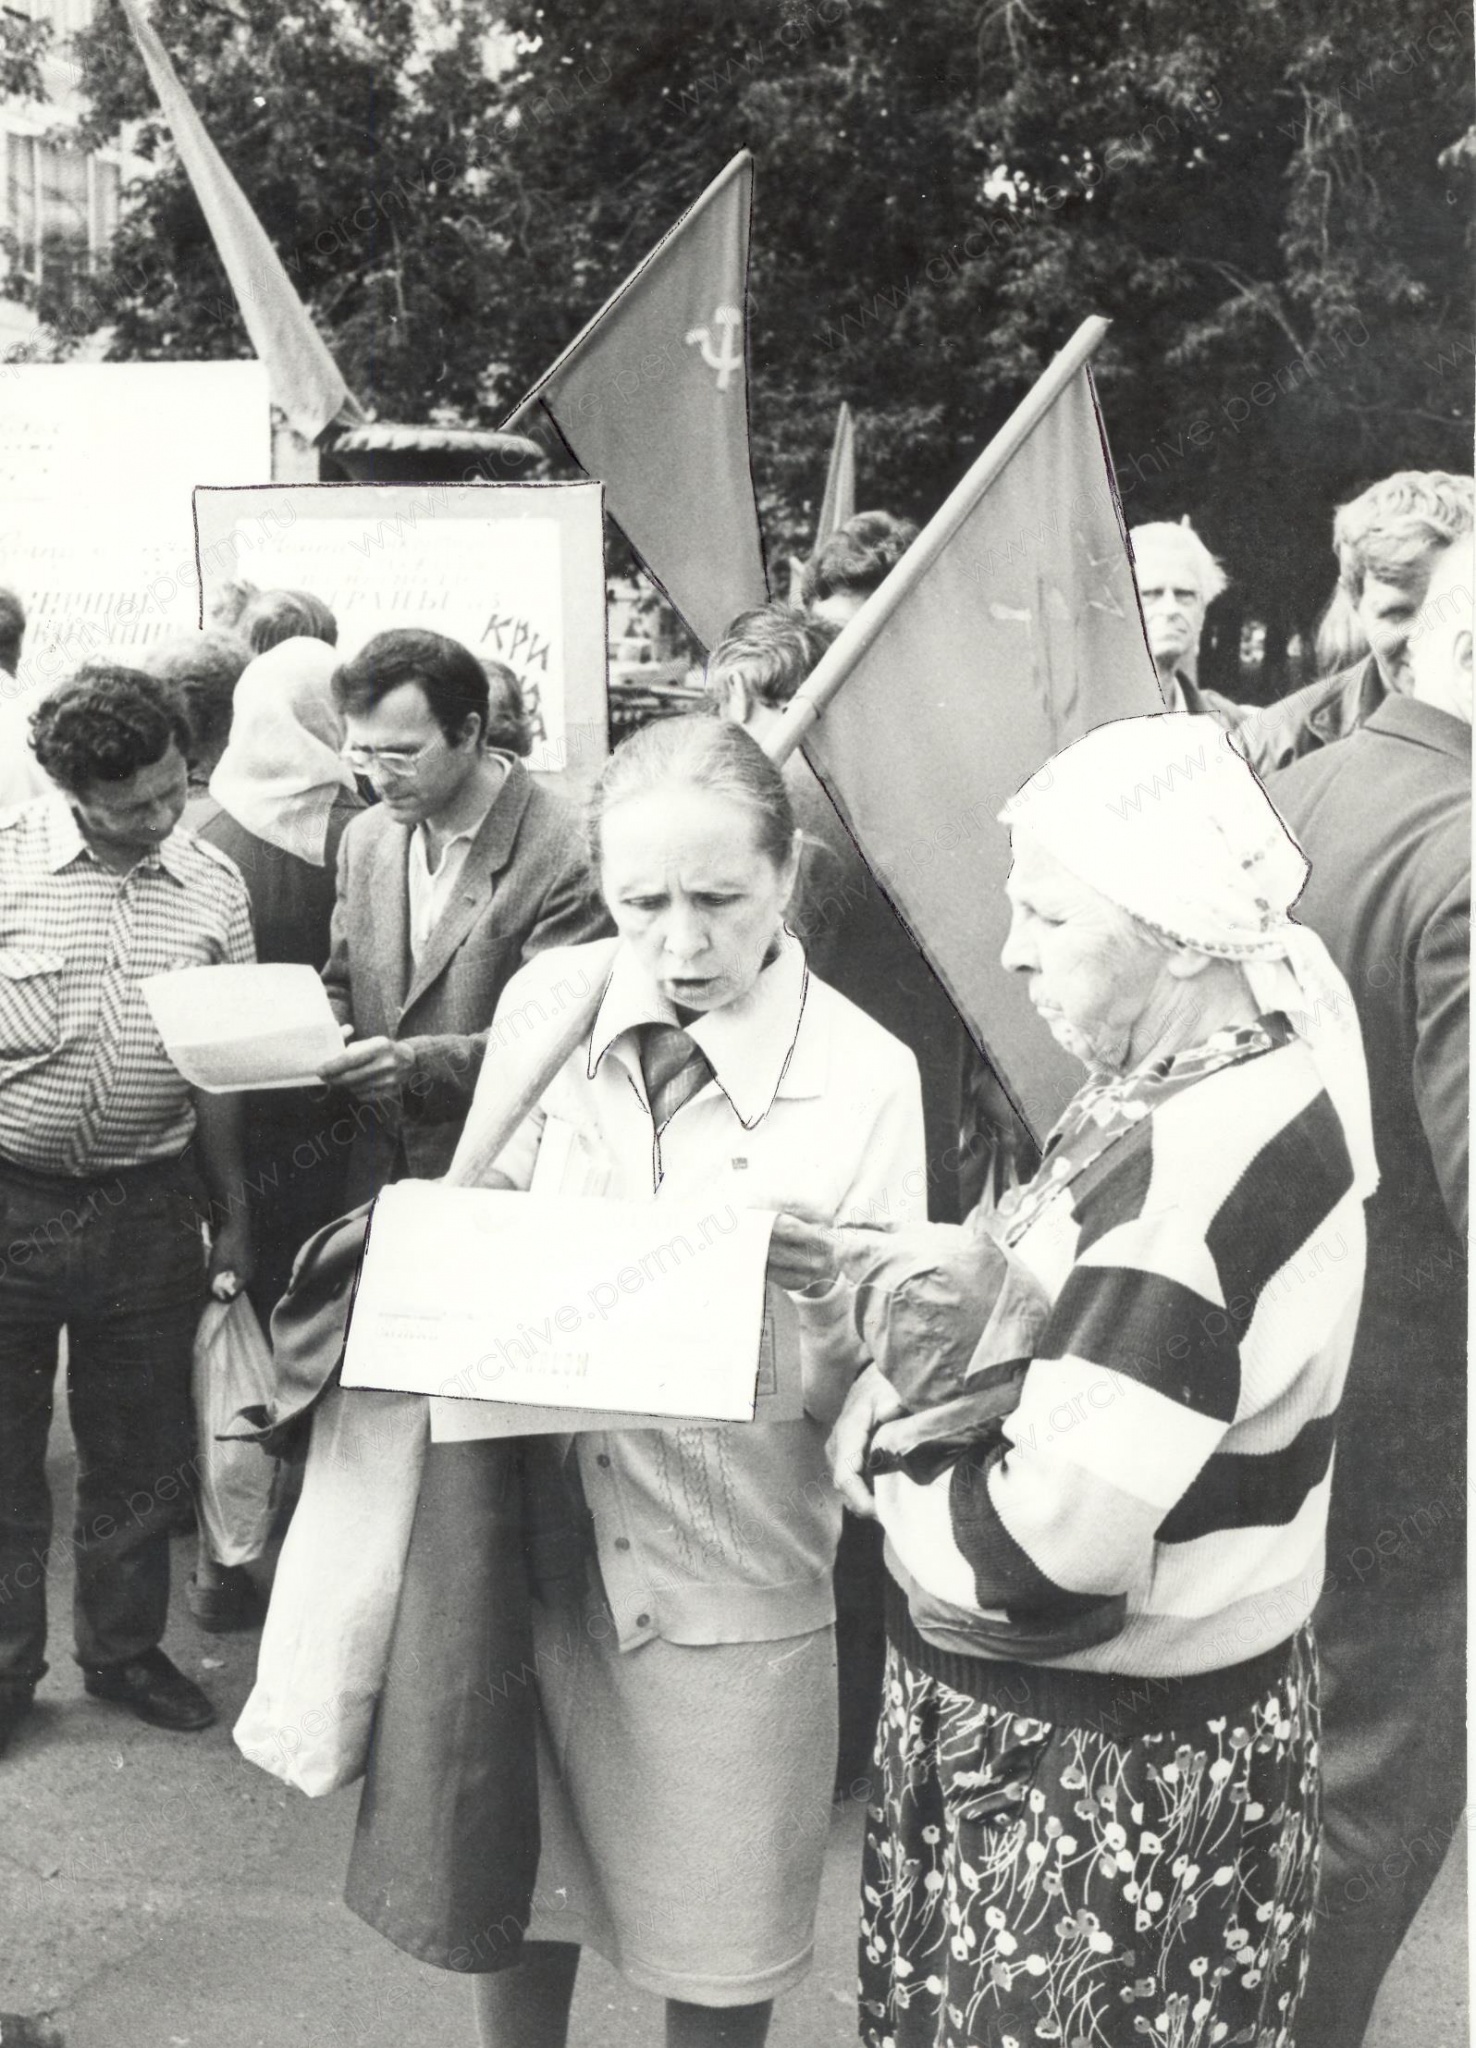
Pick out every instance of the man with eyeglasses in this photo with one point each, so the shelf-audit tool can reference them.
(463, 870)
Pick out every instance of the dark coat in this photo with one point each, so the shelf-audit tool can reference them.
(446, 1850)
(1210, 704)
(1385, 819)
(1311, 717)
(526, 885)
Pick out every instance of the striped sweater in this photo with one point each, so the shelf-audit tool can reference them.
(1157, 1502)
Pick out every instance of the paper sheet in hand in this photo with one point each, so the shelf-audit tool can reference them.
(780, 1396)
(621, 1307)
(258, 1026)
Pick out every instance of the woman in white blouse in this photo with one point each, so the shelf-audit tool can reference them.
(687, 1693)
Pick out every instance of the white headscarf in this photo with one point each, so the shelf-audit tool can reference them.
(1165, 819)
(281, 773)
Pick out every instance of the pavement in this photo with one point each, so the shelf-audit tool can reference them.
(156, 1891)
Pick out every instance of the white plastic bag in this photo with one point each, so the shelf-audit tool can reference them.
(238, 1481)
(326, 1643)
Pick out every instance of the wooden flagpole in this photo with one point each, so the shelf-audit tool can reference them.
(830, 672)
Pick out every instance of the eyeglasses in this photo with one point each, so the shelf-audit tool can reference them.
(388, 760)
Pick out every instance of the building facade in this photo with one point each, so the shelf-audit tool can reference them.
(58, 202)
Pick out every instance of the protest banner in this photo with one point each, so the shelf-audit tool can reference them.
(97, 464)
(514, 571)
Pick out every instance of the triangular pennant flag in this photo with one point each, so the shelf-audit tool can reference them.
(305, 381)
(839, 502)
(1009, 628)
(652, 398)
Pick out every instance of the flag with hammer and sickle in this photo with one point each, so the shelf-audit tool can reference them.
(652, 398)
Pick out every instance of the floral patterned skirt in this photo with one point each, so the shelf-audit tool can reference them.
(1026, 1881)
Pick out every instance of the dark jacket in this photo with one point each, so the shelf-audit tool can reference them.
(526, 885)
(1312, 717)
(295, 1173)
(291, 900)
(1209, 703)
(1385, 819)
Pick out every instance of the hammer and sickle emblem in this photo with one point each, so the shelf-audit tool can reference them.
(726, 358)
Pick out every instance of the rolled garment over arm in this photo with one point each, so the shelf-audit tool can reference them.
(504, 1116)
(937, 1304)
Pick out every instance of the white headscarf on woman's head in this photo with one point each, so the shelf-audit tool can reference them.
(281, 773)
(1163, 817)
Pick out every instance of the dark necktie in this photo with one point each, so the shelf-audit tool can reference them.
(674, 1067)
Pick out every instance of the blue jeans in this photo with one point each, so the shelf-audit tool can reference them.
(118, 1262)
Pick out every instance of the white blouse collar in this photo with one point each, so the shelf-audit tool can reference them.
(749, 1043)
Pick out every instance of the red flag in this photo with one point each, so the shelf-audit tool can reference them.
(839, 501)
(1009, 628)
(305, 381)
(652, 398)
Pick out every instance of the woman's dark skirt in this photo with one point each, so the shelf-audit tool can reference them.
(1146, 1873)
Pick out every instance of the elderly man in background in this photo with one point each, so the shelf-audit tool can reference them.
(852, 562)
(463, 870)
(102, 1150)
(1178, 580)
(1385, 818)
(1387, 543)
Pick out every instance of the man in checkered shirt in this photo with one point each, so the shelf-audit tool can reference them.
(106, 1163)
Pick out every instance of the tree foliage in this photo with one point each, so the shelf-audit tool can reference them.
(1255, 195)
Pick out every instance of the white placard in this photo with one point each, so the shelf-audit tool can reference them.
(98, 464)
(242, 1026)
(626, 1308)
(513, 571)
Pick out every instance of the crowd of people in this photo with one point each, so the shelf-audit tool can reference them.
(1128, 1497)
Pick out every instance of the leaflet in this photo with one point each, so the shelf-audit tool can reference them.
(263, 1025)
(596, 1313)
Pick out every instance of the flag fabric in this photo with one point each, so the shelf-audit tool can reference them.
(1008, 629)
(839, 502)
(652, 398)
(305, 381)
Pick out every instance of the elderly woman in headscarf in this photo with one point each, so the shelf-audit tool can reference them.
(279, 800)
(1097, 1811)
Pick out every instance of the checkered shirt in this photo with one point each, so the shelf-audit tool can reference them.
(85, 1084)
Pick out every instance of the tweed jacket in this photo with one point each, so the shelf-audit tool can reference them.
(526, 884)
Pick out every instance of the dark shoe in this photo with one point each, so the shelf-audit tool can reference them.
(231, 1603)
(151, 1687)
(14, 1707)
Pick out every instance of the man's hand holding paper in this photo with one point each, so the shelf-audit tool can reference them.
(370, 1068)
(233, 1027)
